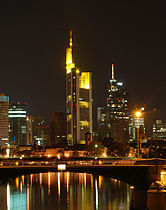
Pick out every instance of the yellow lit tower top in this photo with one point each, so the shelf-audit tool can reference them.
(69, 56)
(71, 41)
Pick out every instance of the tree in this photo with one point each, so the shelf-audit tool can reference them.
(95, 148)
(118, 148)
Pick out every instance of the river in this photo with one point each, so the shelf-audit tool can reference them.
(66, 190)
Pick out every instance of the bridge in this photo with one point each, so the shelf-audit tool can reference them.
(140, 175)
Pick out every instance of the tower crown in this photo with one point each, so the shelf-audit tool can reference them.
(71, 41)
(69, 56)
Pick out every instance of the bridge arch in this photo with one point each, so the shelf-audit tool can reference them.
(139, 176)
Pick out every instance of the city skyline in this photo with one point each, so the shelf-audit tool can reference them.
(32, 60)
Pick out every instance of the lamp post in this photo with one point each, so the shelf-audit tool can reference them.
(138, 114)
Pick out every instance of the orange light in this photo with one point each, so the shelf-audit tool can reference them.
(138, 114)
(58, 156)
(17, 182)
(67, 155)
(104, 154)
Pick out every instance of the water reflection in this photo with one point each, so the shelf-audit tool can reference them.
(64, 190)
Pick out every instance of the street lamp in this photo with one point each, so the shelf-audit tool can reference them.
(138, 115)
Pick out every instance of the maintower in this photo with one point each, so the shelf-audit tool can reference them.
(117, 117)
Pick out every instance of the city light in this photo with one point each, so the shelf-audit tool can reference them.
(7, 152)
(58, 156)
(120, 83)
(61, 167)
(16, 116)
(138, 113)
(104, 154)
(17, 112)
(67, 155)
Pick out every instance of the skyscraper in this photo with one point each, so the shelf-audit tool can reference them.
(78, 100)
(101, 115)
(117, 116)
(58, 127)
(4, 119)
(18, 123)
(159, 130)
(38, 132)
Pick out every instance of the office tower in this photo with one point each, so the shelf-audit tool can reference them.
(78, 100)
(18, 123)
(4, 119)
(159, 130)
(85, 105)
(117, 116)
(137, 124)
(29, 130)
(58, 128)
(41, 134)
(37, 131)
(101, 115)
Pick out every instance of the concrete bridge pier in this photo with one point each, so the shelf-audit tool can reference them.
(156, 196)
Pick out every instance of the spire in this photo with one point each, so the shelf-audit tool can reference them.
(112, 71)
(69, 56)
(71, 41)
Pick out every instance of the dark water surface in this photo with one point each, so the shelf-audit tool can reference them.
(64, 190)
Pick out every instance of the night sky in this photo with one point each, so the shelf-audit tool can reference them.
(34, 36)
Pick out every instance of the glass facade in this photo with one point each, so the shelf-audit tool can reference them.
(4, 119)
(18, 124)
(159, 130)
(117, 115)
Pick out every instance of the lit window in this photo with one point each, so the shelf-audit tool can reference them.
(84, 124)
(84, 104)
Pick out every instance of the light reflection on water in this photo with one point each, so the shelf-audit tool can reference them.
(64, 190)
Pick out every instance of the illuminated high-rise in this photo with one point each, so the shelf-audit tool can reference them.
(38, 133)
(4, 119)
(78, 100)
(159, 130)
(117, 116)
(18, 123)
